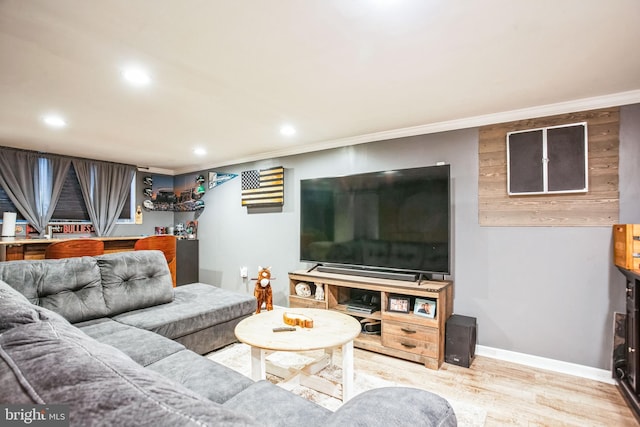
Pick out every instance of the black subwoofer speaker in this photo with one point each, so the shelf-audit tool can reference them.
(460, 340)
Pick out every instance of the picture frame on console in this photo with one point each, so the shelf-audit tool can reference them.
(399, 304)
(425, 307)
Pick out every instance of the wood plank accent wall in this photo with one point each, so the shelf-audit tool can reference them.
(598, 207)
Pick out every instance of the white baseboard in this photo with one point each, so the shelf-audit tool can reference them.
(588, 372)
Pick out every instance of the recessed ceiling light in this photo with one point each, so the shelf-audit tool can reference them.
(136, 76)
(199, 151)
(54, 121)
(287, 130)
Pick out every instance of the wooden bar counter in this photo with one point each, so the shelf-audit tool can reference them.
(19, 248)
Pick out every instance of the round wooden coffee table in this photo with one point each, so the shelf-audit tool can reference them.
(331, 329)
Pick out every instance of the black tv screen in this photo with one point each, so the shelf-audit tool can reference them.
(390, 220)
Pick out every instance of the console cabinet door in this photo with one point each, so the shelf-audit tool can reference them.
(632, 334)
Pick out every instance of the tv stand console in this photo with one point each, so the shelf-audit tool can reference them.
(405, 335)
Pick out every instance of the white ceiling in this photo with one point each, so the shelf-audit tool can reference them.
(228, 74)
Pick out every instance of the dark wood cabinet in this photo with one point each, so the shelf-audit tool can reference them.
(631, 334)
(187, 262)
(627, 370)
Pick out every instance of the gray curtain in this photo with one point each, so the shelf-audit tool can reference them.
(105, 187)
(33, 182)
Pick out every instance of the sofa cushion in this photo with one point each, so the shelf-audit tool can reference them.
(47, 361)
(212, 338)
(16, 310)
(144, 347)
(263, 399)
(71, 287)
(135, 279)
(195, 307)
(393, 406)
(206, 377)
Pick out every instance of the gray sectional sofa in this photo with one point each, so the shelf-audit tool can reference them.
(110, 337)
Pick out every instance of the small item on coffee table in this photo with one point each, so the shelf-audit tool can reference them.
(284, 329)
(295, 319)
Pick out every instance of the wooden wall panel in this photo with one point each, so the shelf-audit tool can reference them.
(598, 207)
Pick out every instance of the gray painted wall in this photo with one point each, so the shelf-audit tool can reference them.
(544, 291)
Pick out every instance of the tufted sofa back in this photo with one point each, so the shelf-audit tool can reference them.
(91, 287)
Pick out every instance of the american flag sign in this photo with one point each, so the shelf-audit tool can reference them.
(263, 187)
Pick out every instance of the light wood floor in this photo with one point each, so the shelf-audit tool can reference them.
(512, 394)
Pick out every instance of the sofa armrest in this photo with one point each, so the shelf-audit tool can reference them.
(393, 406)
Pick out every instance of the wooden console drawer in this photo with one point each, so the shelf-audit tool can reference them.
(306, 302)
(411, 338)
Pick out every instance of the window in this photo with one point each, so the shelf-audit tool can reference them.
(6, 205)
(129, 209)
(548, 160)
(71, 207)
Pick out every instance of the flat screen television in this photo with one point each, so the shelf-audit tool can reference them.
(397, 220)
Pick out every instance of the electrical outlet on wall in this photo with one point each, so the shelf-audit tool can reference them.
(243, 272)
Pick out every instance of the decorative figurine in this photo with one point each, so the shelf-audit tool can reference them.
(192, 230)
(319, 292)
(303, 289)
(262, 291)
(198, 192)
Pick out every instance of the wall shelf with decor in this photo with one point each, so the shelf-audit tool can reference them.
(406, 335)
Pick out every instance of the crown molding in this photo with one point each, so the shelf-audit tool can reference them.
(159, 171)
(605, 101)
